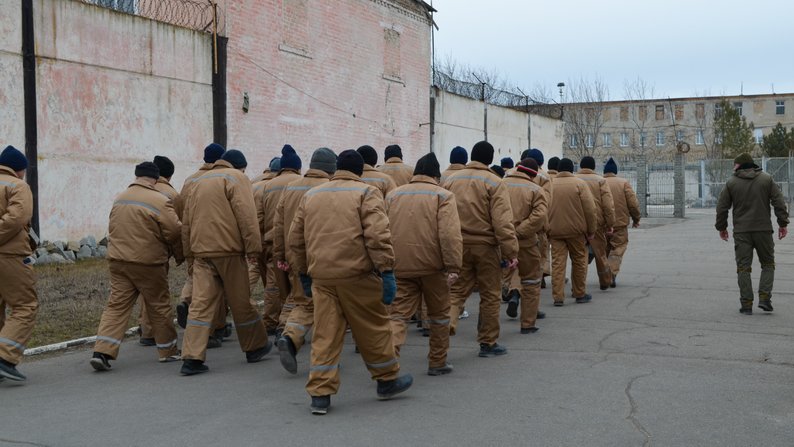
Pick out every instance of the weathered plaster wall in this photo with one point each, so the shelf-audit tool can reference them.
(339, 73)
(12, 105)
(459, 122)
(112, 90)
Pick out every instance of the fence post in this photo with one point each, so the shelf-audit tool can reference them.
(679, 189)
(763, 163)
(702, 192)
(790, 175)
(642, 184)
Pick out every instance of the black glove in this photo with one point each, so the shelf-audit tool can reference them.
(306, 282)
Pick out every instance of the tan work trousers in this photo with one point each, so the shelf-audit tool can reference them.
(617, 244)
(301, 318)
(436, 297)
(599, 246)
(561, 249)
(530, 273)
(359, 304)
(545, 253)
(127, 282)
(275, 284)
(481, 267)
(18, 295)
(212, 278)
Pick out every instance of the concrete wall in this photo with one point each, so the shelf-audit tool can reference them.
(12, 104)
(339, 73)
(112, 90)
(459, 122)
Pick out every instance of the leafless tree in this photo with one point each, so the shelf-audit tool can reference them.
(584, 116)
(639, 93)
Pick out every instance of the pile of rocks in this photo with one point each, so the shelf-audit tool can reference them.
(60, 252)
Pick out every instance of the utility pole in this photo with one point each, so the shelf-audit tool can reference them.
(484, 107)
(529, 119)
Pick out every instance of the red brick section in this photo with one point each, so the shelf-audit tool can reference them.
(316, 74)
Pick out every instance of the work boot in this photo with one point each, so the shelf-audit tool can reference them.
(440, 370)
(287, 353)
(464, 315)
(558, 304)
(543, 283)
(492, 350)
(257, 355)
(512, 305)
(147, 342)
(271, 331)
(100, 362)
(191, 367)
(10, 372)
(529, 330)
(425, 332)
(746, 310)
(584, 299)
(320, 404)
(227, 330)
(614, 284)
(603, 287)
(214, 342)
(181, 314)
(765, 305)
(541, 315)
(390, 388)
(171, 358)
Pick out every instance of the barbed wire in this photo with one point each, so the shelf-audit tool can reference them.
(193, 14)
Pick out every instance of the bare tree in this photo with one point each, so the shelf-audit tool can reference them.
(584, 116)
(639, 93)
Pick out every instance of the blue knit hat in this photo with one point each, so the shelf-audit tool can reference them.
(275, 164)
(611, 166)
(14, 159)
(459, 156)
(507, 163)
(235, 158)
(289, 158)
(537, 155)
(213, 153)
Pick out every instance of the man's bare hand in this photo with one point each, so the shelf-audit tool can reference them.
(513, 264)
(635, 225)
(283, 266)
(782, 232)
(451, 279)
(724, 235)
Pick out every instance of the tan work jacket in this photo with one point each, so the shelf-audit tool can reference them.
(288, 206)
(602, 196)
(270, 197)
(450, 171)
(384, 182)
(16, 210)
(624, 199)
(163, 187)
(258, 186)
(573, 211)
(530, 207)
(187, 187)
(399, 171)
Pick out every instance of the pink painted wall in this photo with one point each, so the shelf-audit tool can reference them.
(12, 104)
(329, 58)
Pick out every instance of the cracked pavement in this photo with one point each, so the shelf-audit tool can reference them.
(665, 359)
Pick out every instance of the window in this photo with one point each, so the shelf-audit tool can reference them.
(660, 138)
(679, 135)
(624, 113)
(700, 111)
(659, 113)
(738, 106)
(589, 140)
(699, 140)
(780, 107)
(624, 139)
(607, 140)
(643, 139)
(758, 135)
(643, 110)
(718, 139)
(718, 109)
(679, 112)
(574, 141)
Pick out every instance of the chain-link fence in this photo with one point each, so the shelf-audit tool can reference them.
(709, 178)
(199, 15)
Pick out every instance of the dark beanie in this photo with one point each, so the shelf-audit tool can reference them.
(507, 163)
(554, 162)
(566, 165)
(611, 167)
(498, 170)
(587, 162)
(351, 161)
(528, 166)
(14, 159)
(165, 165)
(428, 165)
(743, 159)
(147, 169)
(393, 151)
(323, 159)
(458, 156)
(482, 152)
(235, 158)
(275, 164)
(369, 154)
(525, 154)
(213, 153)
(536, 154)
(289, 158)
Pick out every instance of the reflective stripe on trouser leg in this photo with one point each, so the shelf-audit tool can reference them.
(301, 317)
(361, 303)
(272, 295)
(617, 244)
(531, 273)
(207, 290)
(116, 315)
(461, 290)
(743, 248)
(233, 272)
(405, 304)
(599, 245)
(436, 296)
(327, 342)
(559, 260)
(152, 284)
(18, 292)
(489, 272)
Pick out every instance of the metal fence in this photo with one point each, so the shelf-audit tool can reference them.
(711, 175)
(199, 15)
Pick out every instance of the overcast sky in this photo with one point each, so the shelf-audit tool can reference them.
(680, 47)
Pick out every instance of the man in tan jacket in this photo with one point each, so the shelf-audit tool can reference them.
(143, 233)
(626, 208)
(262, 269)
(274, 300)
(399, 171)
(529, 205)
(572, 222)
(339, 239)
(220, 230)
(605, 217)
(384, 182)
(428, 250)
(488, 238)
(297, 315)
(17, 279)
(457, 161)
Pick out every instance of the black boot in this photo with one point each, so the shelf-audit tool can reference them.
(191, 367)
(257, 355)
(10, 372)
(100, 362)
(287, 353)
(390, 388)
(320, 404)
(512, 305)
(181, 314)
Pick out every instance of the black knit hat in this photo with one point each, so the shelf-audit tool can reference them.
(235, 158)
(554, 163)
(14, 159)
(350, 161)
(165, 165)
(290, 158)
(369, 154)
(428, 165)
(566, 165)
(507, 163)
(458, 156)
(147, 169)
(537, 154)
(498, 170)
(482, 152)
(393, 151)
(611, 167)
(213, 153)
(587, 163)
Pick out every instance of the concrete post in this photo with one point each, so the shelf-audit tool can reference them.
(702, 193)
(679, 190)
(642, 184)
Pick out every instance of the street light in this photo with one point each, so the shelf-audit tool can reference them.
(561, 86)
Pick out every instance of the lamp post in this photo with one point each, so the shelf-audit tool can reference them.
(561, 86)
